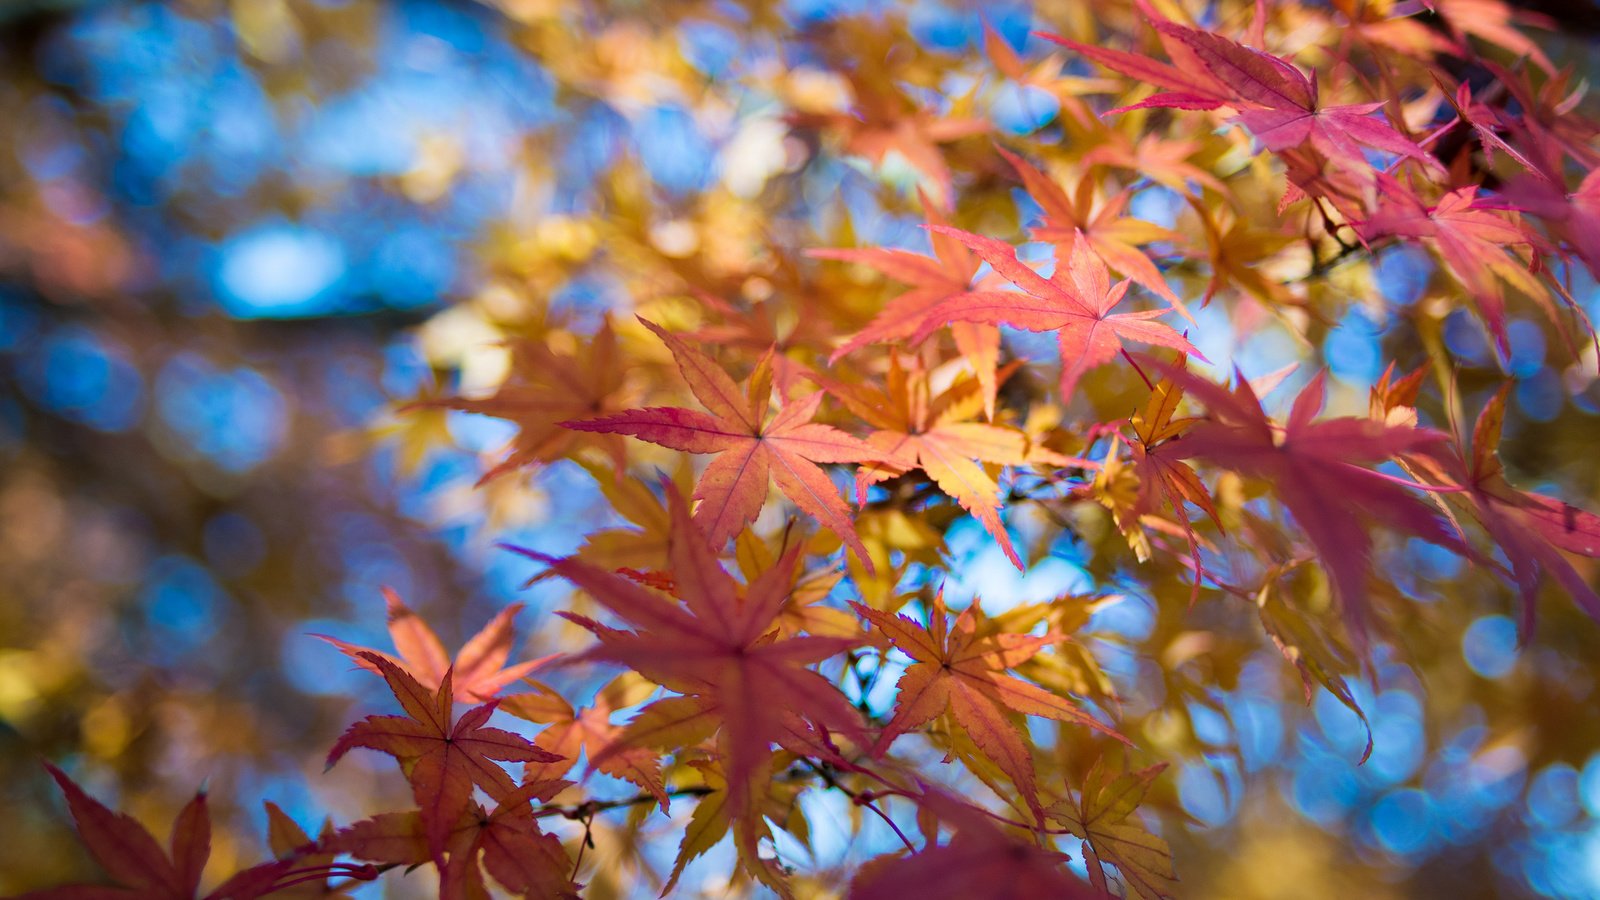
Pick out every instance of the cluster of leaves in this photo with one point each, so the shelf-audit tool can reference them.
(752, 642)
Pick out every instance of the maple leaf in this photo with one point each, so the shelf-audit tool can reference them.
(1534, 530)
(643, 548)
(142, 870)
(1155, 433)
(1166, 162)
(750, 449)
(959, 672)
(1115, 236)
(288, 841)
(1313, 469)
(1472, 240)
(1047, 74)
(931, 434)
(1315, 653)
(982, 860)
(442, 761)
(793, 334)
(1075, 302)
(1102, 816)
(717, 645)
(934, 279)
(479, 671)
(805, 611)
(546, 388)
(1574, 217)
(714, 817)
(884, 121)
(1274, 99)
(507, 843)
(569, 732)
(1239, 252)
(421, 424)
(1493, 21)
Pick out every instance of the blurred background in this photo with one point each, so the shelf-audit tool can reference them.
(236, 237)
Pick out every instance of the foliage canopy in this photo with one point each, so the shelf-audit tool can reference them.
(943, 315)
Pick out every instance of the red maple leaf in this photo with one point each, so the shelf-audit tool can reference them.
(751, 449)
(1110, 232)
(718, 645)
(982, 860)
(507, 843)
(1075, 302)
(479, 671)
(1275, 100)
(1474, 241)
(142, 870)
(441, 760)
(1534, 530)
(933, 279)
(1314, 469)
(570, 731)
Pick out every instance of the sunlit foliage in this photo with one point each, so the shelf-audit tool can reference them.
(814, 449)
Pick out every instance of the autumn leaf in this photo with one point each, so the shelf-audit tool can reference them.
(1495, 22)
(288, 841)
(982, 860)
(1534, 530)
(750, 448)
(1475, 243)
(507, 843)
(885, 122)
(933, 279)
(569, 732)
(1102, 815)
(1274, 99)
(479, 671)
(1314, 469)
(546, 388)
(957, 672)
(136, 862)
(1155, 432)
(1316, 654)
(1574, 217)
(1075, 303)
(714, 817)
(443, 761)
(931, 434)
(1117, 237)
(794, 336)
(716, 645)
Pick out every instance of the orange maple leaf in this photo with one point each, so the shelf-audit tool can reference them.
(545, 388)
(1075, 302)
(932, 434)
(958, 672)
(569, 731)
(933, 279)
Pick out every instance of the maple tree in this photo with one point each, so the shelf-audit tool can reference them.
(929, 329)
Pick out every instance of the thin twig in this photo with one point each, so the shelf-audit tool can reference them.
(860, 798)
